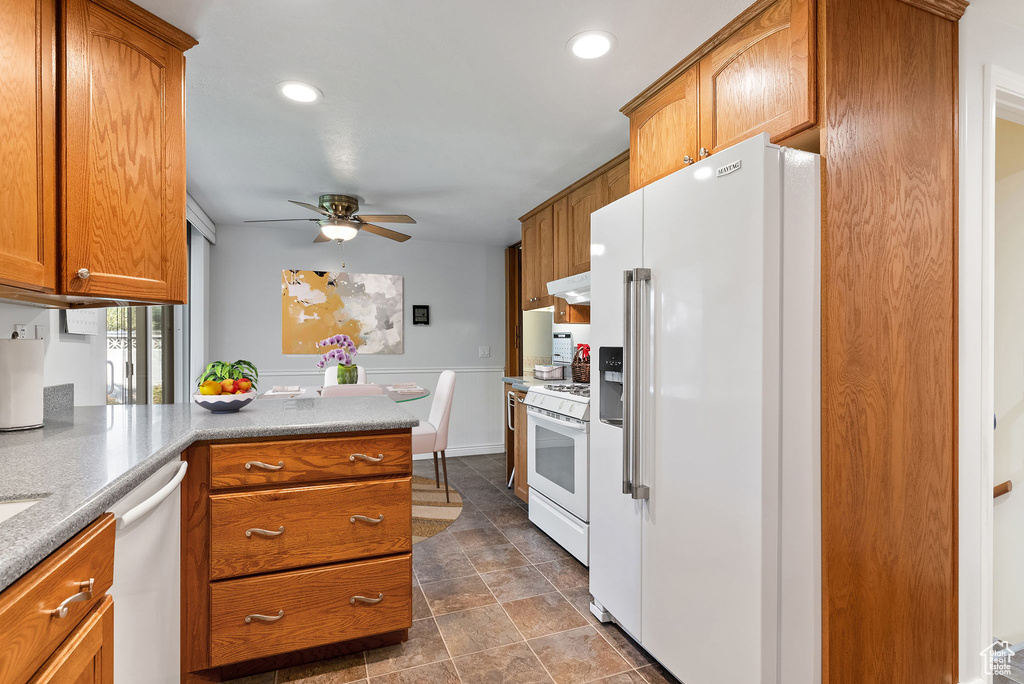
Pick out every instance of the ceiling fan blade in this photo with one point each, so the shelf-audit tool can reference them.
(320, 237)
(279, 220)
(384, 232)
(312, 207)
(387, 218)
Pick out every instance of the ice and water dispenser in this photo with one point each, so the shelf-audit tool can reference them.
(610, 365)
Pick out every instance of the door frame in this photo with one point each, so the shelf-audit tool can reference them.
(1003, 95)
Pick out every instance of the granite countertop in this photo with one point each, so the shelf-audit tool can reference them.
(525, 382)
(83, 462)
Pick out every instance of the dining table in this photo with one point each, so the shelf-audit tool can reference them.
(396, 394)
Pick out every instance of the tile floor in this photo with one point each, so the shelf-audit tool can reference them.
(495, 601)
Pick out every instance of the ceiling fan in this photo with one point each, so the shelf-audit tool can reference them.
(341, 222)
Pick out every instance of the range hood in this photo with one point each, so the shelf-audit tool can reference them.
(574, 289)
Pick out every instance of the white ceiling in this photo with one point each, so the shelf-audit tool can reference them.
(461, 113)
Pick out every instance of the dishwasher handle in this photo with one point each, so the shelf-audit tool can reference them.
(132, 516)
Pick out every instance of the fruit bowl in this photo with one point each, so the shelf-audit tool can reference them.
(224, 403)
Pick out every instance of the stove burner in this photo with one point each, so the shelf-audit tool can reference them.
(575, 389)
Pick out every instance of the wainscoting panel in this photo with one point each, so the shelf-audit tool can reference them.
(477, 425)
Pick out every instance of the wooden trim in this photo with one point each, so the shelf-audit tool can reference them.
(513, 311)
(148, 21)
(599, 171)
(691, 59)
(947, 9)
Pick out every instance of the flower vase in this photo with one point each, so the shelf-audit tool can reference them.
(348, 375)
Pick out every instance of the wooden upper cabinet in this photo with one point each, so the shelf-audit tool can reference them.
(664, 131)
(123, 181)
(538, 259)
(28, 139)
(761, 78)
(582, 202)
(616, 182)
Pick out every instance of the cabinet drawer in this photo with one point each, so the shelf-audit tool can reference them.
(30, 631)
(319, 526)
(306, 460)
(316, 607)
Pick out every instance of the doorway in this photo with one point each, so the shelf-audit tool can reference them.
(140, 355)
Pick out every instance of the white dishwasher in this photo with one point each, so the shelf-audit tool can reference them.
(147, 587)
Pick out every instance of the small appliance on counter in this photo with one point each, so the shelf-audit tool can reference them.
(21, 384)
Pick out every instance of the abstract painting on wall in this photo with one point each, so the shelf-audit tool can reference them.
(365, 306)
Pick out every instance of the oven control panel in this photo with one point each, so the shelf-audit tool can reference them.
(566, 406)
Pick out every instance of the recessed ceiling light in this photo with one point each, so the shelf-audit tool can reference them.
(591, 44)
(299, 91)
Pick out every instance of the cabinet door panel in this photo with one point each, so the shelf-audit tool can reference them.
(616, 182)
(519, 483)
(582, 202)
(561, 240)
(87, 657)
(124, 167)
(529, 260)
(760, 79)
(28, 144)
(663, 131)
(538, 259)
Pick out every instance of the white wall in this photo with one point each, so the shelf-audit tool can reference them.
(79, 359)
(990, 33)
(463, 284)
(1008, 516)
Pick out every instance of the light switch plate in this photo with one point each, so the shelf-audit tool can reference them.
(485, 352)
(40, 332)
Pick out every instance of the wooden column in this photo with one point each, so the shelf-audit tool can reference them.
(889, 340)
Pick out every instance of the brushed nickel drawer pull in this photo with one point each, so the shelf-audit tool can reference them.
(364, 599)
(264, 618)
(84, 594)
(265, 466)
(266, 533)
(376, 521)
(371, 459)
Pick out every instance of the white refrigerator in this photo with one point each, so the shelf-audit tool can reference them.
(705, 477)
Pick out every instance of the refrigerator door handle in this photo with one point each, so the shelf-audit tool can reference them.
(627, 378)
(641, 352)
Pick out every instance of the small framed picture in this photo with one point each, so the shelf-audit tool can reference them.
(420, 314)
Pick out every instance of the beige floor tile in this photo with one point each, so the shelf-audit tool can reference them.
(627, 648)
(567, 573)
(478, 539)
(435, 673)
(424, 646)
(420, 608)
(517, 583)
(491, 558)
(545, 614)
(507, 515)
(453, 595)
(656, 674)
(631, 677)
(534, 544)
(477, 629)
(580, 598)
(577, 656)
(515, 664)
(350, 668)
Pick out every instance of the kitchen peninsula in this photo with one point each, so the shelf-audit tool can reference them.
(285, 459)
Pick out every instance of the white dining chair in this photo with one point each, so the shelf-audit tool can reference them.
(363, 390)
(331, 375)
(432, 436)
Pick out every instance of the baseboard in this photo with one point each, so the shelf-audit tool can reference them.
(465, 451)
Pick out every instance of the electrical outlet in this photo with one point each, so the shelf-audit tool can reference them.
(21, 331)
(485, 352)
(40, 332)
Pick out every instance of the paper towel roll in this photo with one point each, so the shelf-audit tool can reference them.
(21, 384)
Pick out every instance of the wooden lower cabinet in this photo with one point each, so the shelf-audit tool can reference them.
(87, 656)
(303, 557)
(31, 632)
(289, 611)
(519, 483)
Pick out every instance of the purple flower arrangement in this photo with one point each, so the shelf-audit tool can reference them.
(344, 353)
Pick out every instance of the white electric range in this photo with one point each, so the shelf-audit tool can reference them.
(558, 425)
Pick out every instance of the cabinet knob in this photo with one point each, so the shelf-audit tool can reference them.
(687, 159)
(704, 152)
(83, 273)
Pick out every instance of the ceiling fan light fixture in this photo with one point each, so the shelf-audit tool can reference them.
(299, 91)
(339, 228)
(591, 44)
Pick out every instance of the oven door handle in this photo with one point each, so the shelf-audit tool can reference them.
(572, 425)
(510, 402)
